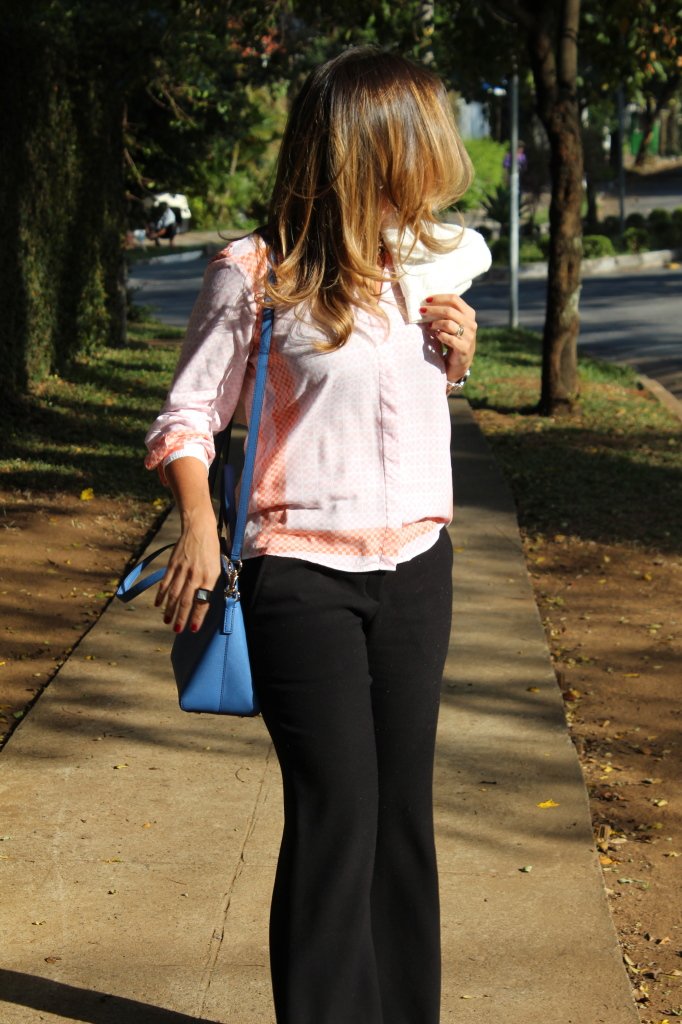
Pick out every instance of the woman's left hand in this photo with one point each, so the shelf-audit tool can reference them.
(452, 322)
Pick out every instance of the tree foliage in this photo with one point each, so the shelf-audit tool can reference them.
(97, 96)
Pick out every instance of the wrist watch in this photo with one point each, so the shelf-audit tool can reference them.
(455, 385)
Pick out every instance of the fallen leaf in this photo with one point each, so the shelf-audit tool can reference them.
(526, 869)
(548, 803)
(660, 803)
(533, 689)
(605, 859)
(87, 494)
(121, 766)
(52, 959)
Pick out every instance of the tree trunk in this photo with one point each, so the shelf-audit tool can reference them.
(555, 73)
(592, 215)
(653, 110)
(650, 115)
(560, 385)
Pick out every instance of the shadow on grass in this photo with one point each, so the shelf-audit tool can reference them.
(578, 482)
(87, 428)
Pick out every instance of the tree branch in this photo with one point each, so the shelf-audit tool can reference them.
(514, 10)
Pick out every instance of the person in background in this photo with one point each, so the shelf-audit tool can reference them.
(521, 158)
(165, 225)
(346, 584)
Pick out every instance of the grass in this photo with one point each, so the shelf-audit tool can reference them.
(612, 471)
(86, 428)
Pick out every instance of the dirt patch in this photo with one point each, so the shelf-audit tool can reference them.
(613, 618)
(60, 563)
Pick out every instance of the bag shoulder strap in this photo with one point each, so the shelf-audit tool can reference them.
(254, 428)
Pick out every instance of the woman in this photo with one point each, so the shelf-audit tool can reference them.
(346, 585)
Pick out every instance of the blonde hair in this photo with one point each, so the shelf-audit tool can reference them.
(369, 133)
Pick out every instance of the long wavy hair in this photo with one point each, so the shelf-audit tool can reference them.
(370, 135)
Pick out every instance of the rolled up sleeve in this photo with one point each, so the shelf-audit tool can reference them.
(210, 373)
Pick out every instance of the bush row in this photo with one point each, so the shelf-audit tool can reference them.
(660, 230)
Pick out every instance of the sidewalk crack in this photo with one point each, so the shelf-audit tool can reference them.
(218, 933)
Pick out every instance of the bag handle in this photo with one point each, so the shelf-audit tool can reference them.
(128, 588)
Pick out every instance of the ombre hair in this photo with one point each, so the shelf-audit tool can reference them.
(369, 134)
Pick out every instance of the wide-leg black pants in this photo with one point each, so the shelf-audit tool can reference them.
(347, 669)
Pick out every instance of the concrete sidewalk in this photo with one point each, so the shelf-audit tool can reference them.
(139, 843)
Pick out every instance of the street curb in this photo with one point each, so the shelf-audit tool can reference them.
(595, 267)
(661, 393)
(178, 257)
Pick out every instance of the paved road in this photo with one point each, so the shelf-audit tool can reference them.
(632, 317)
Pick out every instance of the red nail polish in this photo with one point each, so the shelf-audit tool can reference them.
(177, 627)
(430, 299)
(422, 309)
(166, 619)
(194, 628)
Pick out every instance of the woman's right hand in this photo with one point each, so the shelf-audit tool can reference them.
(195, 561)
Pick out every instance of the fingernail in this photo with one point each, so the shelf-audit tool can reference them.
(430, 299)
(177, 627)
(194, 628)
(422, 309)
(166, 619)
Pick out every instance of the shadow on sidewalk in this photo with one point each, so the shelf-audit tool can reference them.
(82, 1004)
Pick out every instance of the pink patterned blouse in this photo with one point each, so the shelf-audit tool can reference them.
(353, 464)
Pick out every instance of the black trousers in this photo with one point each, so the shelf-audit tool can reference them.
(347, 669)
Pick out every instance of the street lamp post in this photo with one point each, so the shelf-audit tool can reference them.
(514, 203)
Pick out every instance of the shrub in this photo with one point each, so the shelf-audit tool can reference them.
(636, 239)
(486, 155)
(659, 218)
(635, 220)
(666, 236)
(676, 215)
(611, 226)
(530, 252)
(595, 246)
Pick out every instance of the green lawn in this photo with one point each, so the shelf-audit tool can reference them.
(612, 471)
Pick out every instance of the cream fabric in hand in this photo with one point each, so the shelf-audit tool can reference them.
(422, 273)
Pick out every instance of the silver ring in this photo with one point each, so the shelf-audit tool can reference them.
(202, 596)
(460, 330)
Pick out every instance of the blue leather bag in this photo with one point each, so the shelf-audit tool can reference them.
(211, 667)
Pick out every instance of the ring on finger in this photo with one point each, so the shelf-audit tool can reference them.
(460, 330)
(202, 596)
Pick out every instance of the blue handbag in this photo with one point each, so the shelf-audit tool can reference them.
(211, 667)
